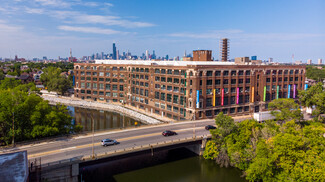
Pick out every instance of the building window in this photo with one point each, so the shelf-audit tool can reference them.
(209, 73)
(209, 102)
(108, 87)
(232, 110)
(225, 73)
(225, 81)
(218, 73)
(156, 95)
(209, 82)
(169, 97)
(175, 99)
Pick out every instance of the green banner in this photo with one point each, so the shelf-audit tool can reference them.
(277, 92)
(264, 93)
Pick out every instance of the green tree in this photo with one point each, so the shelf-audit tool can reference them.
(314, 96)
(9, 83)
(285, 110)
(54, 81)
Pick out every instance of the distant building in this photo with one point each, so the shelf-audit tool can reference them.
(243, 60)
(114, 52)
(320, 61)
(254, 58)
(202, 55)
(298, 63)
(224, 49)
(309, 61)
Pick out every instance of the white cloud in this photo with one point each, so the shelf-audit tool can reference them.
(54, 3)
(94, 30)
(80, 18)
(34, 10)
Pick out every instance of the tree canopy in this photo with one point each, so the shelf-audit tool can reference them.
(314, 96)
(31, 116)
(269, 151)
(52, 79)
(285, 110)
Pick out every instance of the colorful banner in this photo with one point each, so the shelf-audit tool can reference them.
(289, 88)
(294, 91)
(252, 94)
(214, 98)
(264, 94)
(237, 100)
(306, 86)
(197, 99)
(222, 95)
(277, 92)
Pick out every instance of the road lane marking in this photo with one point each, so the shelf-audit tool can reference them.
(99, 143)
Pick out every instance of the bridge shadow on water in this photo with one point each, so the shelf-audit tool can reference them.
(106, 169)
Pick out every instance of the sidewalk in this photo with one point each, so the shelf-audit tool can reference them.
(97, 105)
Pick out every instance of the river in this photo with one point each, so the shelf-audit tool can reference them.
(193, 169)
(103, 120)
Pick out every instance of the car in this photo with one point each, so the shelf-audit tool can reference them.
(106, 142)
(210, 127)
(168, 133)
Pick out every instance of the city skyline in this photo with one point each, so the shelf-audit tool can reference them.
(274, 29)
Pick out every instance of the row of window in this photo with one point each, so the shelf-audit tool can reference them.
(170, 88)
(170, 71)
(232, 110)
(101, 79)
(101, 68)
(101, 93)
(101, 86)
(106, 74)
(170, 98)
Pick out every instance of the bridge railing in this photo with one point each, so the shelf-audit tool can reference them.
(37, 164)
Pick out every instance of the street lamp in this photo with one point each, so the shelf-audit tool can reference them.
(93, 131)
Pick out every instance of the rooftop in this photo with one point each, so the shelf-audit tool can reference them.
(162, 63)
(14, 167)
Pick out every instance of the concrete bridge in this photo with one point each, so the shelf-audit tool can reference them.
(113, 162)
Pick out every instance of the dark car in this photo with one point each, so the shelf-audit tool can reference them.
(168, 133)
(210, 127)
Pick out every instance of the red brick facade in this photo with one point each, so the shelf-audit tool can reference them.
(171, 90)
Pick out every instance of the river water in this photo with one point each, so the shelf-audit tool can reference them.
(193, 169)
(103, 120)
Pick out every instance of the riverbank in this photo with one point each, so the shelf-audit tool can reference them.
(101, 106)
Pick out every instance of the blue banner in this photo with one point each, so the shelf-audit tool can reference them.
(289, 88)
(73, 80)
(306, 86)
(197, 99)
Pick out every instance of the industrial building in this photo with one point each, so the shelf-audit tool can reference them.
(195, 89)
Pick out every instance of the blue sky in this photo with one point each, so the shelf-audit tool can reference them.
(277, 28)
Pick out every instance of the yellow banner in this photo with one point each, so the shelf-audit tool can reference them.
(252, 94)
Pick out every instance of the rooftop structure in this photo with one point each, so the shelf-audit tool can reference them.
(224, 46)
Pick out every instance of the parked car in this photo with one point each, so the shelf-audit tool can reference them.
(209, 127)
(168, 133)
(106, 142)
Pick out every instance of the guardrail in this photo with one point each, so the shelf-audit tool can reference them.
(36, 163)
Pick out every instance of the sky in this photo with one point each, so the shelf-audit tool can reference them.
(277, 28)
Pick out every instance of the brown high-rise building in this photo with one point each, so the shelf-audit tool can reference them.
(224, 46)
(181, 90)
(202, 55)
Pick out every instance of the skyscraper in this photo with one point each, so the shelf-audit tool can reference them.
(320, 61)
(114, 51)
(147, 54)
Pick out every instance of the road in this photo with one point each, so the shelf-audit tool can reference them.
(66, 148)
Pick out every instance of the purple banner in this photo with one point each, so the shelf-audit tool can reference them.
(237, 101)
(294, 91)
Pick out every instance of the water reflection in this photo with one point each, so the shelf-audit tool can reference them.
(103, 120)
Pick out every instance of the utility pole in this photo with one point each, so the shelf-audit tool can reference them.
(93, 123)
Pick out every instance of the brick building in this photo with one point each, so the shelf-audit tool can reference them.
(188, 89)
